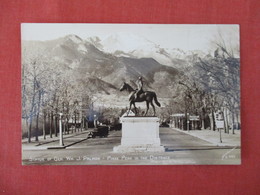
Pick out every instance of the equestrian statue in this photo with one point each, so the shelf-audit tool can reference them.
(138, 95)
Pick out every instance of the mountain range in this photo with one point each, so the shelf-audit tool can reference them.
(104, 64)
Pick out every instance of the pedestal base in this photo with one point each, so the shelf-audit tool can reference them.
(138, 148)
(140, 134)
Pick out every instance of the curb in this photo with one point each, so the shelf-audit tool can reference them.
(37, 146)
(71, 144)
(69, 136)
(55, 139)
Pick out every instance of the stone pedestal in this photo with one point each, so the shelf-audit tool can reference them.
(140, 134)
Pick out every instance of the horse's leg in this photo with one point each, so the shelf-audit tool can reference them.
(129, 108)
(153, 108)
(147, 108)
(135, 108)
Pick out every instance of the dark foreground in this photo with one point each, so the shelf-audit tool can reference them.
(181, 149)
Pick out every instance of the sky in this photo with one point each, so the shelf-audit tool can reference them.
(186, 37)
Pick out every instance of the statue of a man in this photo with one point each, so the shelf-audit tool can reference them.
(139, 84)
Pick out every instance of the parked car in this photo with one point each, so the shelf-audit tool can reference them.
(101, 131)
(116, 127)
(164, 124)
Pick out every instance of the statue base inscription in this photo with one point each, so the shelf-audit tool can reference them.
(140, 134)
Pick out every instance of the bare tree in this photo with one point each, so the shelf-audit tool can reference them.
(220, 76)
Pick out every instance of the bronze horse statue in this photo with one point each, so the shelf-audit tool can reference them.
(147, 96)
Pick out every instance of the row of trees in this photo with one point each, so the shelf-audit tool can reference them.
(212, 85)
(47, 90)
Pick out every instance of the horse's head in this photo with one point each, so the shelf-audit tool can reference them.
(123, 87)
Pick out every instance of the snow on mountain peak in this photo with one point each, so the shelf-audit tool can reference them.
(82, 48)
(74, 38)
(122, 43)
(93, 39)
(76, 42)
(126, 42)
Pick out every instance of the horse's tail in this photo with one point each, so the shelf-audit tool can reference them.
(156, 101)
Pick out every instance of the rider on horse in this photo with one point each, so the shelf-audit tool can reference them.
(147, 96)
(139, 84)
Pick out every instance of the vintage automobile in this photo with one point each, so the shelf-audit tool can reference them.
(116, 127)
(100, 131)
(164, 124)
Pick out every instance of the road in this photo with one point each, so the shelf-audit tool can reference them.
(180, 149)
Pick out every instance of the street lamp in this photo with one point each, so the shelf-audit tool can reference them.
(60, 128)
(95, 121)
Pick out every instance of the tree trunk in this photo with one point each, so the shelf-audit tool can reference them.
(30, 129)
(202, 124)
(43, 125)
(238, 121)
(37, 127)
(56, 118)
(80, 123)
(202, 119)
(233, 129)
(226, 121)
(51, 124)
(67, 125)
(27, 125)
(75, 122)
(55, 125)
(31, 112)
(37, 116)
(211, 118)
(225, 125)
(63, 126)
(49, 121)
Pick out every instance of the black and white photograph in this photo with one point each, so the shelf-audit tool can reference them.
(130, 94)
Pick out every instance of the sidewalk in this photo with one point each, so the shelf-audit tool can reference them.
(54, 141)
(214, 137)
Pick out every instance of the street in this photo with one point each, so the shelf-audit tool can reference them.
(180, 148)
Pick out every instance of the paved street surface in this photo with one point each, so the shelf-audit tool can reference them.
(181, 148)
(214, 137)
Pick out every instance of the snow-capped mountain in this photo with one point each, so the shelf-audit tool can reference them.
(131, 45)
(101, 71)
(125, 42)
(96, 41)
